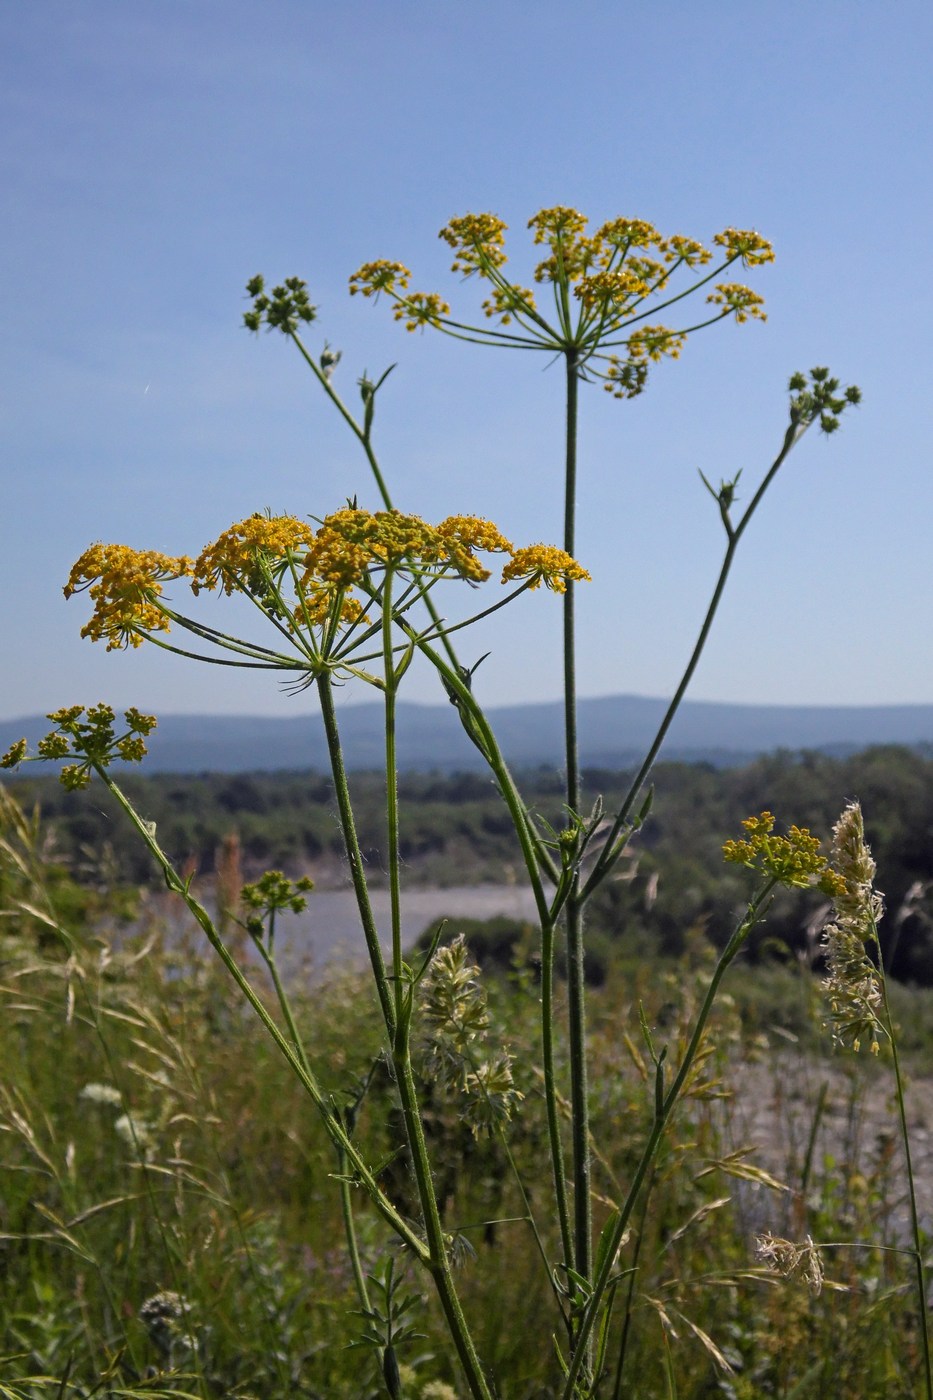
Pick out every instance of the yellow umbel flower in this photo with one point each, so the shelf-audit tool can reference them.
(611, 290)
(557, 225)
(623, 234)
(685, 250)
(792, 860)
(235, 558)
(745, 244)
(421, 309)
(478, 241)
(92, 739)
(352, 541)
(505, 301)
(544, 563)
(741, 301)
(379, 276)
(125, 585)
(468, 532)
(654, 342)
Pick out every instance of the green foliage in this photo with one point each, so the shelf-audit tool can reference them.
(169, 1218)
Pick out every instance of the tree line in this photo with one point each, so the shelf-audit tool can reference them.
(673, 885)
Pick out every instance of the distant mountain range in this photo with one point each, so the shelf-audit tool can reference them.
(614, 733)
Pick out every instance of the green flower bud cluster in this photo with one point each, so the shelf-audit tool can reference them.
(820, 399)
(271, 892)
(92, 739)
(281, 309)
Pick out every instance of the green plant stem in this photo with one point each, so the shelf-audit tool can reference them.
(354, 854)
(392, 810)
(398, 1013)
(630, 1292)
(346, 1204)
(534, 856)
(610, 850)
(666, 1102)
(920, 1271)
(349, 1230)
(581, 1259)
(438, 1262)
(363, 436)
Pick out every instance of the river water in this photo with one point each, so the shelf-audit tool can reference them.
(329, 928)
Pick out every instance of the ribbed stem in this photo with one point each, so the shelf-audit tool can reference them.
(352, 848)
(576, 984)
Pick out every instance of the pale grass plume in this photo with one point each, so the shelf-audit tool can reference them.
(852, 985)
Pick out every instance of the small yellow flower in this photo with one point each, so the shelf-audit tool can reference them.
(544, 563)
(750, 247)
(235, 558)
(685, 250)
(559, 223)
(478, 240)
(741, 301)
(654, 342)
(623, 234)
(125, 585)
(611, 290)
(472, 532)
(421, 309)
(379, 276)
(793, 860)
(14, 754)
(505, 301)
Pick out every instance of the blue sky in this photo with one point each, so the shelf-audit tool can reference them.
(156, 155)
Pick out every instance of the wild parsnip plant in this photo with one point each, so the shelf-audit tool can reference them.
(355, 593)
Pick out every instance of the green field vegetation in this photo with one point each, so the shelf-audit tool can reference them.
(170, 1214)
(457, 831)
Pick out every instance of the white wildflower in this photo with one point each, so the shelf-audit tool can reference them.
(101, 1093)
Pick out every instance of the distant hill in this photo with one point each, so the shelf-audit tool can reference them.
(614, 732)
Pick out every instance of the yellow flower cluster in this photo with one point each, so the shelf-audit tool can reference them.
(687, 251)
(256, 555)
(558, 225)
(625, 379)
(421, 309)
(741, 301)
(544, 563)
(614, 289)
(380, 276)
(236, 555)
(654, 342)
(792, 860)
(124, 584)
(351, 541)
(745, 244)
(506, 300)
(478, 241)
(611, 272)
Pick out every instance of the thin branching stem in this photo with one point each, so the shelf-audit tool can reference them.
(610, 848)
